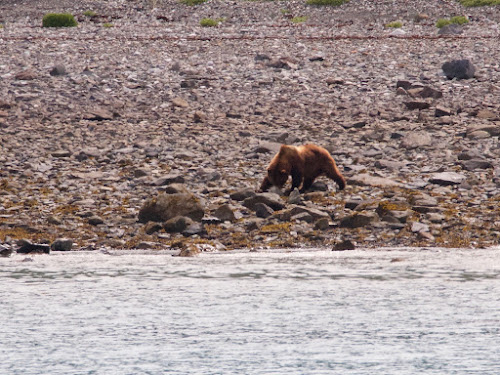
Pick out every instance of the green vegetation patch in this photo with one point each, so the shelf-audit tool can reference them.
(395, 24)
(89, 13)
(458, 20)
(299, 19)
(479, 3)
(442, 22)
(192, 2)
(208, 22)
(334, 3)
(107, 25)
(59, 20)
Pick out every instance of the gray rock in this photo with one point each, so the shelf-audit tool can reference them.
(417, 104)
(288, 214)
(180, 102)
(199, 116)
(28, 247)
(169, 179)
(469, 155)
(152, 227)
(344, 245)
(460, 69)
(95, 220)
(302, 216)
(452, 29)
(417, 227)
(99, 114)
(166, 206)
(177, 224)
(253, 224)
(442, 111)
(225, 213)
(62, 244)
(404, 84)
(389, 164)
(474, 164)
(263, 210)
(435, 217)
(492, 129)
(211, 220)
(429, 92)
(351, 204)
(5, 251)
(176, 188)
(414, 140)
(361, 219)
(61, 153)
(364, 179)
(396, 216)
(322, 224)
(265, 147)
(270, 199)
(138, 173)
(194, 229)
(294, 197)
(478, 134)
(447, 178)
(58, 70)
(243, 194)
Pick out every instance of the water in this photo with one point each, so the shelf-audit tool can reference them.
(302, 312)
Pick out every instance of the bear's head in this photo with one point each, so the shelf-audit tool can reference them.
(277, 176)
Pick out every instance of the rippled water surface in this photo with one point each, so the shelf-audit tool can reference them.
(415, 311)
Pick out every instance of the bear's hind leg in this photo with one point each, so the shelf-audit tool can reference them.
(332, 172)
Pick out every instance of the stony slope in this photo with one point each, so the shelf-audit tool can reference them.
(156, 99)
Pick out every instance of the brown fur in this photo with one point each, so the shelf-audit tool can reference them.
(304, 163)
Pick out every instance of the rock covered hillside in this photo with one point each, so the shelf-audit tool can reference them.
(139, 99)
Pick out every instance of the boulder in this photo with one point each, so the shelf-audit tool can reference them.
(414, 140)
(263, 210)
(58, 70)
(177, 224)
(270, 199)
(459, 69)
(28, 247)
(62, 244)
(243, 194)
(452, 29)
(166, 206)
(364, 179)
(288, 214)
(225, 213)
(358, 220)
(447, 178)
(344, 245)
(474, 164)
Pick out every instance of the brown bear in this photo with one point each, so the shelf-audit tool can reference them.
(304, 163)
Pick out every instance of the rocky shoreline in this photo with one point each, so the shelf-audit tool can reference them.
(97, 121)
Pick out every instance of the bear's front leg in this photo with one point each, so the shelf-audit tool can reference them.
(296, 179)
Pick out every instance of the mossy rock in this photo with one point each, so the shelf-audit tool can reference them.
(59, 20)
